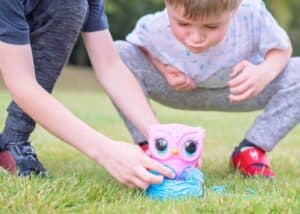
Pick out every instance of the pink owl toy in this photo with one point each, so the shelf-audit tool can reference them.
(177, 146)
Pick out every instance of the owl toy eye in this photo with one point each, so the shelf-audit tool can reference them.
(161, 144)
(190, 147)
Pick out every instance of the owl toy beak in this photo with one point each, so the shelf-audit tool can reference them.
(175, 151)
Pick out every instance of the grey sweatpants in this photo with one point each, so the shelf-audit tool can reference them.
(280, 99)
(54, 28)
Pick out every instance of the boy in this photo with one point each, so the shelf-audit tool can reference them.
(36, 37)
(227, 55)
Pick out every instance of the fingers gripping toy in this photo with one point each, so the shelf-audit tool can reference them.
(179, 147)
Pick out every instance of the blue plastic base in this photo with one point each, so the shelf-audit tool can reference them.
(188, 185)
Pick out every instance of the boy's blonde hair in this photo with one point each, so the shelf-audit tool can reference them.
(203, 8)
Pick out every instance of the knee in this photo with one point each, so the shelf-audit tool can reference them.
(121, 44)
(293, 68)
(290, 77)
(126, 49)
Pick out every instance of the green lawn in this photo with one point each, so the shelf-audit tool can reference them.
(77, 185)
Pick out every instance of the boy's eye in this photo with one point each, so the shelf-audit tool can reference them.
(211, 26)
(183, 24)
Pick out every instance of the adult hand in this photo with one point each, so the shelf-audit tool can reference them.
(247, 81)
(129, 165)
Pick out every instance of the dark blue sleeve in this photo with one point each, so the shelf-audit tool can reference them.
(96, 19)
(13, 26)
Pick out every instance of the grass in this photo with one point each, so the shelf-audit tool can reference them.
(77, 185)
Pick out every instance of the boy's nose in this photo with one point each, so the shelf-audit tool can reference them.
(197, 38)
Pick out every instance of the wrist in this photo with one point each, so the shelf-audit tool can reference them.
(97, 148)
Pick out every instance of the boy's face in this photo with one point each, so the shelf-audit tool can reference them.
(197, 35)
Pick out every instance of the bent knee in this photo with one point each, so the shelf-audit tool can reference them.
(291, 74)
(124, 48)
(129, 53)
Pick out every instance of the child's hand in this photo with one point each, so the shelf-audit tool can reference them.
(247, 81)
(175, 78)
(178, 80)
(128, 164)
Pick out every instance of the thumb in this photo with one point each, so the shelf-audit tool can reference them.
(238, 68)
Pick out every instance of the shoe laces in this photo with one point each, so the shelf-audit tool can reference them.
(23, 149)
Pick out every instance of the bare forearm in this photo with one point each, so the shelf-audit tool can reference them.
(118, 81)
(275, 62)
(61, 122)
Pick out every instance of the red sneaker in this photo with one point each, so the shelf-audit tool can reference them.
(252, 162)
